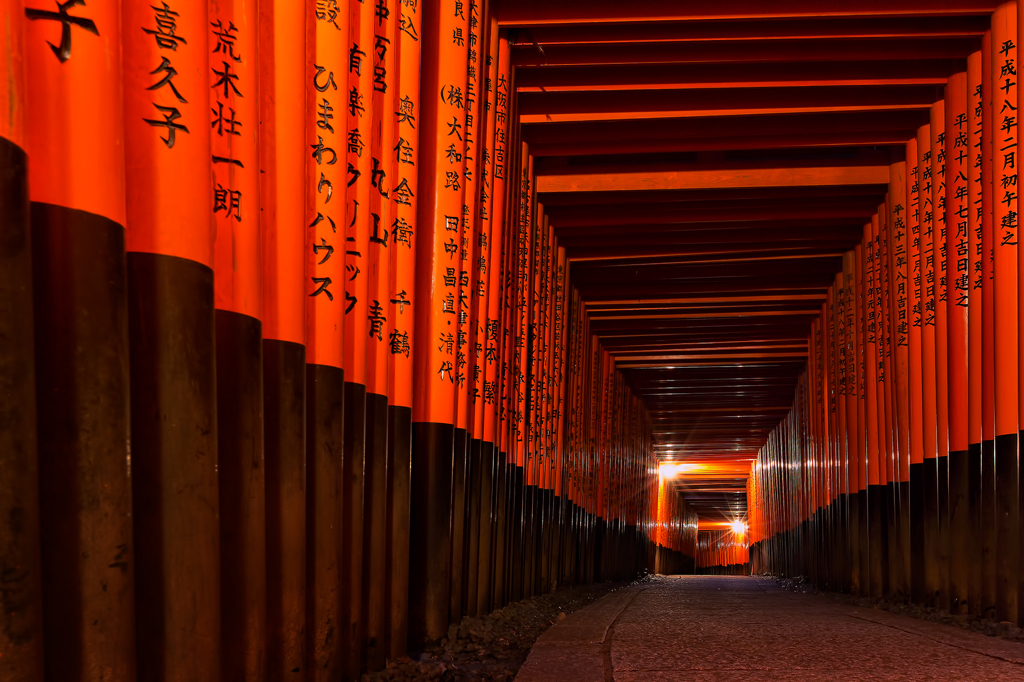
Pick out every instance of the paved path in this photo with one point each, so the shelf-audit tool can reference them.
(729, 628)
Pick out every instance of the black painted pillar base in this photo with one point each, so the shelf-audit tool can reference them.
(430, 532)
(917, 533)
(375, 534)
(989, 536)
(959, 558)
(488, 519)
(459, 506)
(241, 475)
(21, 639)
(174, 467)
(325, 442)
(81, 391)
(1007, 527)
(975, 530)
(284, 447)
(399, 470)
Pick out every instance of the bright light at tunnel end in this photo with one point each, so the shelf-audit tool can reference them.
(669, 470)
(738, 527)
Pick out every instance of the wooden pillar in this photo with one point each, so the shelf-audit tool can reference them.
(900, 314)
(958, 281)
(235, 108)
(284, 214)
(361, 177)
(444, 67)
(327, 219)
(920, 219)
(943, 220)
(170, 261)
(975, 113)
(877, 523)
(72, 78)
(381, 319)
(988, 234)
(401, 338)
(22, 640)
(930, 233)
(461, 154)
(490, 269)
(1004, 105)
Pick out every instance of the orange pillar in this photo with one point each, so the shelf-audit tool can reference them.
(440, 198)
(958, 279)
(72, 79)
(401, 336)
(1004, 106)
(975, 163)
(920, 218)
(360, 177)
(886, 400)
(22, 640)
(463, 162)
(942, 134)
(327, 219)
(854, 431)
(235, 109)
(283, 219)
(490, 267)
(988, 395)
(380, 321)
(167, 84)
(930, 233)
(876, 447)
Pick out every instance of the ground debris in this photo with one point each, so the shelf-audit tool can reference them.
(492, 647)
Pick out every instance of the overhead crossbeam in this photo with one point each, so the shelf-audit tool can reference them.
(711, 179)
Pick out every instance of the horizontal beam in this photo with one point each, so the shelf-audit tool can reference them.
(545, 118)
(752, 177)
(546, 12)
(741, 51)
(804, 27)
(752, 298)
(729, 143)
(536, 107)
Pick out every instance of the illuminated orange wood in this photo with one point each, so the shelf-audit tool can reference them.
(1004, 25)
(1005, 292)
(915, 147)
(493, 209)
(234, 135)
(166, 118)
(325, 183)
(930, 230)
(404, 197)
(381, 312)
(975, 163)
(900, 312)
(442, 145)
(357, 114)
(958, 276)
(282, 182)
(756, 177)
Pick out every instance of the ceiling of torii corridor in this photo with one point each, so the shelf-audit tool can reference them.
(706, 165)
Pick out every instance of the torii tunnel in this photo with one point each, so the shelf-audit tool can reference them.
(325, 323)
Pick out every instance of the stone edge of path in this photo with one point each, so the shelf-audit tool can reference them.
(575, 649)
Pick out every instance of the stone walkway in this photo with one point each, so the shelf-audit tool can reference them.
(748, 628)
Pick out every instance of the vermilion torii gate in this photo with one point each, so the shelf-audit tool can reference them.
(327, 323)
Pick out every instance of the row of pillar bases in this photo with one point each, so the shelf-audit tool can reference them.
(530, 543)
(308, 541)
(948, 538)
